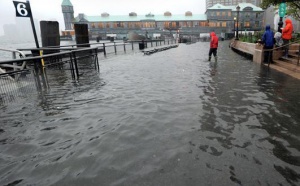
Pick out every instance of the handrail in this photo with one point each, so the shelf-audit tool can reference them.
(294, 42)
(13, 51)
(14, 66)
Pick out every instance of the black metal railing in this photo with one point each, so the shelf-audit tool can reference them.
(42, 63)
(282, 47)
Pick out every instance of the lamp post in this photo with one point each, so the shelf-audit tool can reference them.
(237, 26)
(234, 19)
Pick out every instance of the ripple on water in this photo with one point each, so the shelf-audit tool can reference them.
(170, 118)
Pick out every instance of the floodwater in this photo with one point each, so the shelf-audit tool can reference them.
(170, 118)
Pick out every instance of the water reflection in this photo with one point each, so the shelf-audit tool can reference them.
(169, 118)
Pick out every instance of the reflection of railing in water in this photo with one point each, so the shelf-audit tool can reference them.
(37, 67)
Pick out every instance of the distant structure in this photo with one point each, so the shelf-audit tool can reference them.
(21, 31)
(210, 3)
(68, 12)
(218, 18)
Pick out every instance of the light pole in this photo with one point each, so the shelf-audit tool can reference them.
(234, 19)
(237, 26)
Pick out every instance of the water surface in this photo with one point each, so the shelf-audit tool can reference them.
(170, 118)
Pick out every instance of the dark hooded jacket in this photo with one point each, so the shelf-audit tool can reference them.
(268, 37)
(287, 30)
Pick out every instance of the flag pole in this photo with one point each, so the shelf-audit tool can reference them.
(33, 27)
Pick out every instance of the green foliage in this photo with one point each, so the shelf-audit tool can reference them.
(293, 7)
(251, 38)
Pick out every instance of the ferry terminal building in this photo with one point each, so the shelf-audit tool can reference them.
(218, 18)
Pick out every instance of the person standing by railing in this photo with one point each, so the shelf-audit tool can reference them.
(287, 36)
(268, 41)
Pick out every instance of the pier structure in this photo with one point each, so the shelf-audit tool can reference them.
(218, 18)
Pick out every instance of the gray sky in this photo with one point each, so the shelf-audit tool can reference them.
(51, 9)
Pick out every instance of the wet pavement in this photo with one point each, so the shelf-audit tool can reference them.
(170, 118)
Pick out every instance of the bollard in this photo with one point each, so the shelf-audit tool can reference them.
(115, 47)
(168, 41)
(104, 50)
(160, 42)
(156, 43)
(132, 45)
(151, 44)
(124, 47)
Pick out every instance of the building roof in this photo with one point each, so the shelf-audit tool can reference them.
(66, 3)
(233, 8)
(116, 18)
(219, 6)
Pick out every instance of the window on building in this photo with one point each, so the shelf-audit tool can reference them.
(166, 24)
(256, 24)
(174, 25)
(100, 25)
(218, 24)
(229, 14)
(212, 24)
(218, 13)
(115, 25)
(138, 25)
(93, 25)
(107, 25)
(247, 24)
(224, 24)
(223, 14)
(257, 15)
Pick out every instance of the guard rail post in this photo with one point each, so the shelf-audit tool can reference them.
(104, 50)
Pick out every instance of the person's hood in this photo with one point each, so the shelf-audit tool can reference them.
(268, 27)
(288, 21)
(212, 34)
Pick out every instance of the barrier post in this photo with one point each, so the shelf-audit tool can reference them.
(104, 50)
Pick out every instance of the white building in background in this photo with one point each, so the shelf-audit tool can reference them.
(210, 3)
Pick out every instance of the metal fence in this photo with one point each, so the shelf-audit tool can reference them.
(17, 83)
(33, 74)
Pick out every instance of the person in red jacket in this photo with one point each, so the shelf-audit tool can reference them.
(287, 35)
(214, 42)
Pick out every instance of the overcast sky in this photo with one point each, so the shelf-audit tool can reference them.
(51, 9)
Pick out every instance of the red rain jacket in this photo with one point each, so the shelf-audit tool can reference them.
(214, 41)
(287, 30)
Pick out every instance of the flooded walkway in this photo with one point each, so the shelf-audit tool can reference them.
(170, 118)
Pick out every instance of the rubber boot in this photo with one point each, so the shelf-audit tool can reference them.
(209, 58)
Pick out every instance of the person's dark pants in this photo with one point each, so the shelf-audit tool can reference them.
(212, 51)
(286, 47)
(268, 55)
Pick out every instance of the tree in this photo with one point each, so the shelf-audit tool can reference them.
(293, 6)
